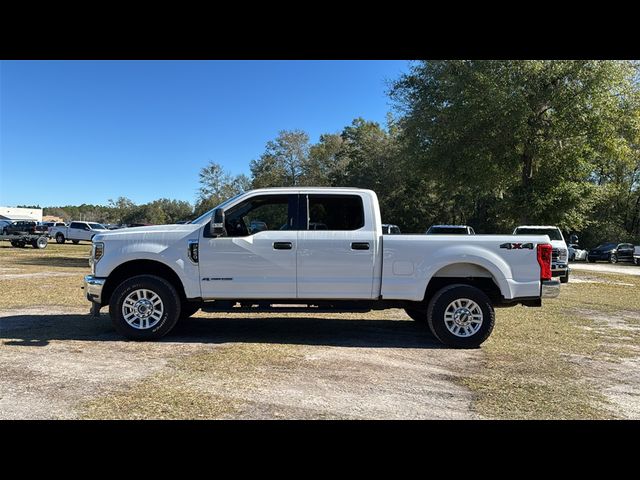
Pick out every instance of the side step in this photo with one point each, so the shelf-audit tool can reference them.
(242, 307)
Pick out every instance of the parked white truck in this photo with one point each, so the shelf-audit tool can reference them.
(76, 231)
(560, 253)
(150, 277)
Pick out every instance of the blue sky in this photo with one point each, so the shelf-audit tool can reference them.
(75, 132)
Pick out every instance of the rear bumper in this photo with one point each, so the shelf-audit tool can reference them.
(93, 288)
(550, 288)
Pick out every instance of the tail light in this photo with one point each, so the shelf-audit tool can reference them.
(544, 260)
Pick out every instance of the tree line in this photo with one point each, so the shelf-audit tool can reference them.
(491, 144)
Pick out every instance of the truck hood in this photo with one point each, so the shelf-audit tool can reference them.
(161, 233)
(559, 244)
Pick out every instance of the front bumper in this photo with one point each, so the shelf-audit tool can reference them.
(550, 288)
(93, 288)
(559, 269)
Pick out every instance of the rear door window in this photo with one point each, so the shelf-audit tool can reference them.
(334, 212)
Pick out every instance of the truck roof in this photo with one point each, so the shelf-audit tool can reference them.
(450, 226)
(311, 190)
(537, 226)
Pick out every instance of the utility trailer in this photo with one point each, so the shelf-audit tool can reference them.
(21, 240)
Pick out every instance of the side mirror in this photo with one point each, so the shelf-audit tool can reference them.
(217, 223)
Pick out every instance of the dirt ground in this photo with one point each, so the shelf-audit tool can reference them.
(621, 268)
(58, 362)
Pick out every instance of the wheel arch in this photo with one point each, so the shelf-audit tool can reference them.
(466, 273)
(133, 268)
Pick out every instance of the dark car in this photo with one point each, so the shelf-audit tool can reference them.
(24, 227)
(450, 230)
(611, 252)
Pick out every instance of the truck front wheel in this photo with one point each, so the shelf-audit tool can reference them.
(145, 307)
(461, 316)
(59, 238)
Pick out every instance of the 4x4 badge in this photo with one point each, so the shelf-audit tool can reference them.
(517, 246)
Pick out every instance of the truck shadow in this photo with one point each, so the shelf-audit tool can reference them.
(53, 261)
(39, 330)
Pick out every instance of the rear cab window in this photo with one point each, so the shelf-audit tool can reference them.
(334, 212)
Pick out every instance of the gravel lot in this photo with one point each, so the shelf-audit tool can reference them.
(345, 366)
(621, 268)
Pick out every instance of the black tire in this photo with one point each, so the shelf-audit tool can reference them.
(417, 315)
(564, 278)
(613, 258)
(14, 243)
(436, 315)
(188, 309)
(21, 244)
(157, 285)
(60, 238)
(75, 242)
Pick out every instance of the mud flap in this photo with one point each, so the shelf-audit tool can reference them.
(95, 309)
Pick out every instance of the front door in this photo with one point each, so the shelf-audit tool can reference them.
(257, 256)
(336, 251)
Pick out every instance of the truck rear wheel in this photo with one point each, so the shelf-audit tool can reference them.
(145, 307)
(60, 238)
(461, 316)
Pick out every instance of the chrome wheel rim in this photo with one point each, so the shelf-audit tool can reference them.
(142, 309)
(463, 317)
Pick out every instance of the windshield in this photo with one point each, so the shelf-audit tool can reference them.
(554, 233)
(445, 230)
(97, 226)
(605, 246)
(204, 218)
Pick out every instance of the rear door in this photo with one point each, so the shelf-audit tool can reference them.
(337, 260)
(625, 252)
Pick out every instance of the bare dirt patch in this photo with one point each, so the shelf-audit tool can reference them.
(61, 363)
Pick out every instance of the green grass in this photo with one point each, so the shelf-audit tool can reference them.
(54, 275)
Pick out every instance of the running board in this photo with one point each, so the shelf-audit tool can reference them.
(221, 306)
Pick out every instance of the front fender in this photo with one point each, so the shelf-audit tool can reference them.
(173, 256)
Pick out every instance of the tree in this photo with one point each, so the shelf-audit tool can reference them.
(516, 141)
(172, 210)
(122, 207)
(284, 162)
(216, 186)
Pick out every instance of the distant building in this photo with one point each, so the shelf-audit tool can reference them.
(12, 214)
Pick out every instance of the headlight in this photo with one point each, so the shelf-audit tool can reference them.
(563, 255)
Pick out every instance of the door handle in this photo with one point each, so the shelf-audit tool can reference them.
(282, 245)
(360, 246)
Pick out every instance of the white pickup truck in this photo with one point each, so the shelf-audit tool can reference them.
(152, 276)
(76, 231)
